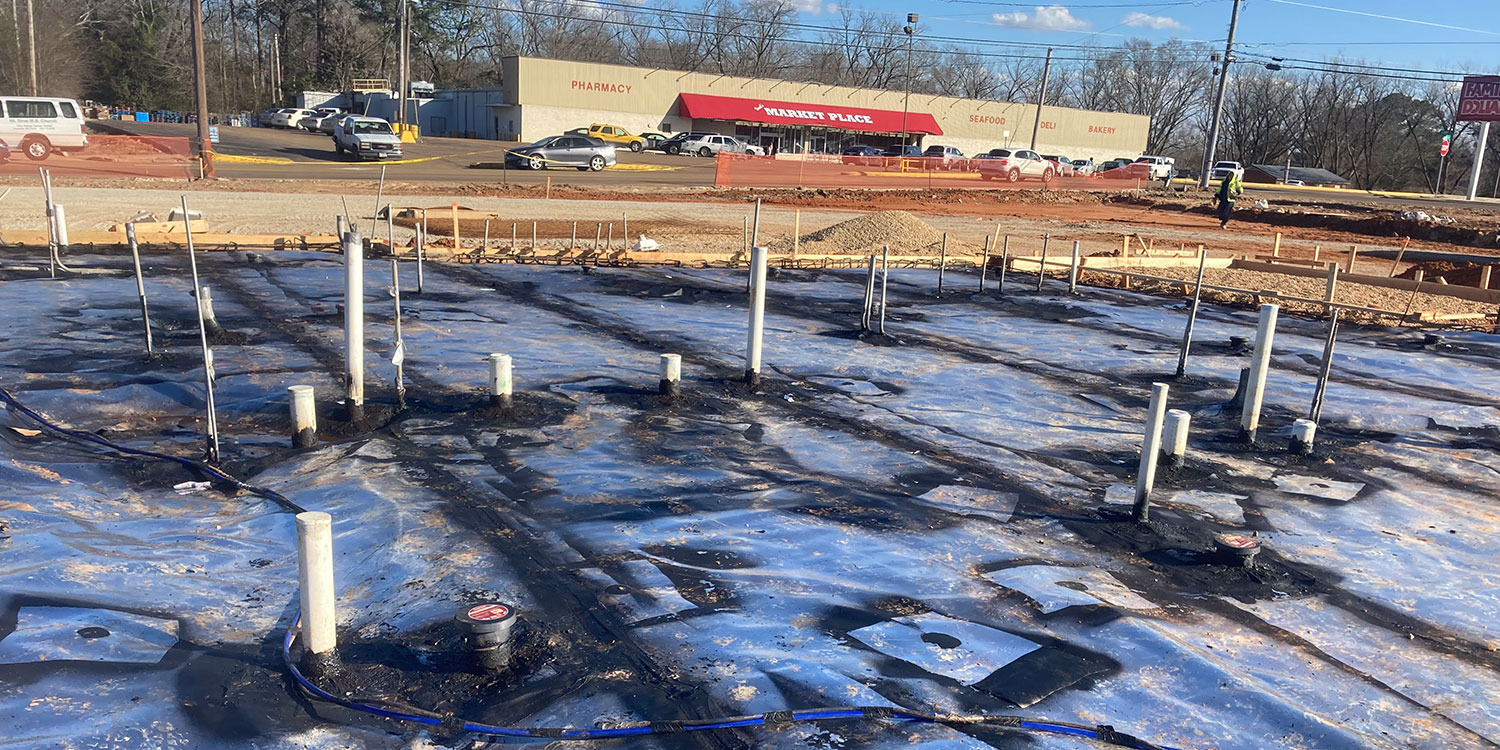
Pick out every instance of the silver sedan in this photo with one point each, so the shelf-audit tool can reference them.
(582, 152)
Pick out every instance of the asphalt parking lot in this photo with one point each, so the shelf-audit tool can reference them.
(297, 154)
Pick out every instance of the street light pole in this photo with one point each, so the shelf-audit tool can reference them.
(31, 42)
(1213, 128)
(911, 30)
(403, 66)
(1041, 97)
(200, 90)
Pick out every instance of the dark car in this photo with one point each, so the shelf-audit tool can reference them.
(673, 145)
(902, 151)
(863, 156)
(582, 152)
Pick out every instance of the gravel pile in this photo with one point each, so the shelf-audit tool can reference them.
(1348, 293)
(899, 229)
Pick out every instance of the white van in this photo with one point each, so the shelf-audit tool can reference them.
(36, 127)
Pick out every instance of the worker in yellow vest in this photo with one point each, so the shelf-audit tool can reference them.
(1229, 189)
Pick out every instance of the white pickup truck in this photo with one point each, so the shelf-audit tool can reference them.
(366, 138)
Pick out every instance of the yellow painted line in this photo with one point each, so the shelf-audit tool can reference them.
(223, 158)
(643, 168)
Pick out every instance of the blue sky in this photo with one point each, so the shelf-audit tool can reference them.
(1459, 34)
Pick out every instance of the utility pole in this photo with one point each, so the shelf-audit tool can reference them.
(1213, 128)
(200, 90)
(15, 17)
(911, 29)
(1041, 97)
(31, 42)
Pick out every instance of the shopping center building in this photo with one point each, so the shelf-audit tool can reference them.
(539, 98)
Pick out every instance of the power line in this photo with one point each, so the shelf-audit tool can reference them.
(1357, 73)
(1384, 17)
(1341, 64)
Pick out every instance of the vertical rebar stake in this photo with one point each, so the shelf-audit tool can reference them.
(140, 285)
(208, 355)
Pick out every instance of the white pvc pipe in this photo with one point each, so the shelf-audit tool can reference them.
(1260, 362)
(206, 306)
(1175, 438)
(304, 411)
(1303, 432)
(500, 379)
(671, 374)
(354, 320)
(61, 226)
(757, 314)
(1073, 271)
(1145, 477)
(315, 574)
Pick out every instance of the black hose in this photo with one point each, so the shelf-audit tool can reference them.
(81, 437)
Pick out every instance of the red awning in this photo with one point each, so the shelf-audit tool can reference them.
(791, 113)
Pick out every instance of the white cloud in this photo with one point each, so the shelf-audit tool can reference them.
(1045, 18)
(1160, 23)
(813, 7)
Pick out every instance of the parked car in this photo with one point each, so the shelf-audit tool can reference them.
(1083, 166)
(1116, 169)
(1014, 165)
(1223, 168)
(673, 145)
(577, 131)
(40, 126)
(1063, 164)
(580, 151)
(618, 136)
(944, 157)
(902, 151)
(653, 139)
(366, 138)
(862, 156)
(265, 118)
(1158, 167)
(714, 144)
(290, 118)
(314, 123)
(330, 123)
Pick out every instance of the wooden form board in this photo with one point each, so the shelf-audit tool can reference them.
(1473, 294)
(1029, 263)
(201, 241)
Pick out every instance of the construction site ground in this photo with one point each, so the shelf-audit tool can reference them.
(935, 515)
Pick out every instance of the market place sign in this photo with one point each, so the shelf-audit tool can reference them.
(708, 107)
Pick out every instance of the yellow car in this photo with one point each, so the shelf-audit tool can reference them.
(617, 134)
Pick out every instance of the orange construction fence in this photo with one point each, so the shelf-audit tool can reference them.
(110, 156)
(817, 171)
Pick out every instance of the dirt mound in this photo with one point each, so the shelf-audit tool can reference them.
(1462, 274)
(899, 229)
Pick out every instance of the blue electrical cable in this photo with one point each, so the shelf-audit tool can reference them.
(1103, 733)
